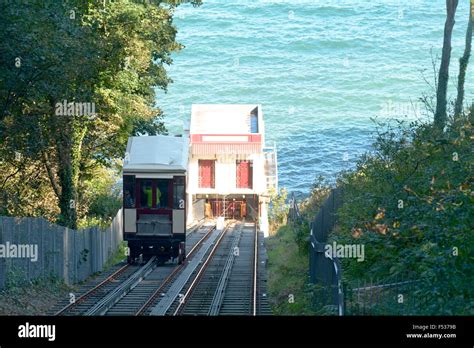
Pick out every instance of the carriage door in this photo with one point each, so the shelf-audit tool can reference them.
(179, 205)
(206, 173)
(244, 174)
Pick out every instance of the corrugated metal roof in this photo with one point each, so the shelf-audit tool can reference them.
(156, 153)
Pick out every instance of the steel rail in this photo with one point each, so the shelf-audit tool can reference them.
(224, 278)
(91, 291)
(116, 294)
(182, 300)
(155, 294)
(255, 272)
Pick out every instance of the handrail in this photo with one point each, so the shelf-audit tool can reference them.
(318, 238)
(317, 246)
(294, 214)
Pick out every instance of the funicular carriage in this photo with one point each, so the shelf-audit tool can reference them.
(154, 197)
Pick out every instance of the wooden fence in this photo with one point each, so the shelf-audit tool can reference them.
(52, 250)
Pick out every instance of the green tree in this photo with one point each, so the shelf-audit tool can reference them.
(463, 63)
(108, 54)
(441, 93)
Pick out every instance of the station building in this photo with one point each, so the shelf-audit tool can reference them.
(230, 169)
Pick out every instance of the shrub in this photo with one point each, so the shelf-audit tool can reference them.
(100, 199)
(278, 210)
(411, 203)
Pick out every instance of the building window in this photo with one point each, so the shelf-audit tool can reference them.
(254, 121)
(207, 170)
(244, 174)
(129, 191)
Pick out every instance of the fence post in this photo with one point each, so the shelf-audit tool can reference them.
(2, 260)
(97, 263)
(100, 259)
(340, 288)
(65, 256)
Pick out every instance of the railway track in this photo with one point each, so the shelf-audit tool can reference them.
(93, 293)
(206, 296)
(140, 299)
(235, 283)
(222, 275)
(229, 281)
(105, 295)
(173, 291)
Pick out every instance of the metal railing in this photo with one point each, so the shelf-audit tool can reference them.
(325, 271)
(294, 215)
(400, 295)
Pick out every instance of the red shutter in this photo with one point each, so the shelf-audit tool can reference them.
(244, 174)
(206, 173)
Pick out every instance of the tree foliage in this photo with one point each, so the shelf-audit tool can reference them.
(411, 203)
(109, 55)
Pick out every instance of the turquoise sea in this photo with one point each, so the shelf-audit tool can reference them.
(320, 69)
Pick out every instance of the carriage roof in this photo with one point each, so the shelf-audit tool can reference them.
(158, 153)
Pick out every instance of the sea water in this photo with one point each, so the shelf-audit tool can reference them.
(322, 70)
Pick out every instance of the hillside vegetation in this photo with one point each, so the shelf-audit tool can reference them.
(409, 201)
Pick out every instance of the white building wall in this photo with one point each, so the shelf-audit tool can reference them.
(263, 220)
(206, 119)
(225, 176)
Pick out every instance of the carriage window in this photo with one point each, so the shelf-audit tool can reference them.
(146, 194)
(162, 193)
(129, 191)
(178, 192)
